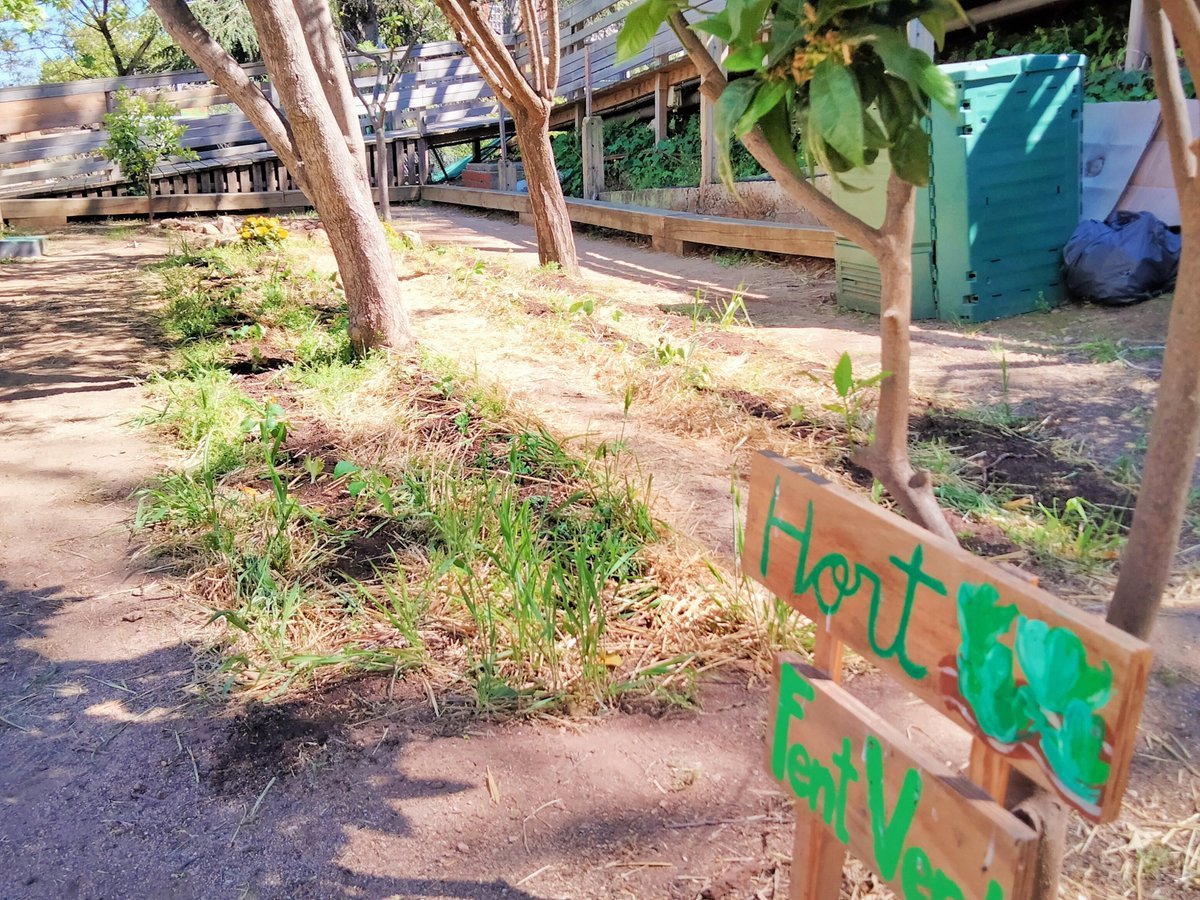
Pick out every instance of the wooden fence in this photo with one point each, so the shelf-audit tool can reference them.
(50, 169)
(52, 132)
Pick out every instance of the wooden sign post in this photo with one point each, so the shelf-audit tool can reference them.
(1041, 686)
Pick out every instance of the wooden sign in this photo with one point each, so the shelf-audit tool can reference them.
(926, 830)
(1056, 691)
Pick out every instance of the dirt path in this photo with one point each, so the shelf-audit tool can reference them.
(119, 781)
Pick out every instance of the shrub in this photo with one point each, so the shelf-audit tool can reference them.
(262, 230)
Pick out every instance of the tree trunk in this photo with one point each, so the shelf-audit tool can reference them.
(551, 221)
(887, 455)
(217, 64)
(314, 147)
(336, 184)
(382, 171)
(1171, 458)
(321, 38)
(150, 198)
(528, 93)
(1175, 429)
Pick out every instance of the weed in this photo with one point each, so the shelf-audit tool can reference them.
(1102, 350)
(852, 393)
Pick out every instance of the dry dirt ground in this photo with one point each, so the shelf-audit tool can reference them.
(119, 781)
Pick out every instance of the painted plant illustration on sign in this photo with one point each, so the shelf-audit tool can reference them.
(1054, 707)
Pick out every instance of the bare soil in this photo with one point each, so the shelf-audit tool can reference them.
(120, 781)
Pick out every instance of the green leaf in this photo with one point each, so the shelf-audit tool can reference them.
(837, 110)
(874, 137)
(777, 129)
(897, 106)
(729, 109)
(935, 83)
(746, 19)
(943, 13)
(827, 11)
(863, 384)
(843, 375)
(640, 26)
(746, 59)
(935, 24)
(735, 10)
(718, 26)
(788, 30)
(345, 467)
(231, 618)
(766, 98)
(910, 155)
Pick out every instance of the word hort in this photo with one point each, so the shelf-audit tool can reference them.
(1055, 691)
(928, 835)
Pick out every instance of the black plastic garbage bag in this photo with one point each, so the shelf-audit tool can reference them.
(1127, 258)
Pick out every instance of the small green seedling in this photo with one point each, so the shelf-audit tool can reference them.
(851, 392)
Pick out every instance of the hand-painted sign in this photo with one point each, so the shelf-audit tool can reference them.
(927, 831)
(1056, 691)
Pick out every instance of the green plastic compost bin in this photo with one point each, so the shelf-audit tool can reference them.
(1003, 196)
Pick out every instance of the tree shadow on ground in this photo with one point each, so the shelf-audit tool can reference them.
(120, 781)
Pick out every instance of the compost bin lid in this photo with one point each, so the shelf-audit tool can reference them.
(1011, 66)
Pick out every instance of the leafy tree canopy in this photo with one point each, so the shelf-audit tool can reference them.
(63, 40)
(840, 73)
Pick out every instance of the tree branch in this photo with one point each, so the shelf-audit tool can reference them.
(1185, 20)
(316, 22)
(712, 83)
(493, 59)
(1168, 83)
(140, 52)
(533, 39)
(553, 24)
(218, 65)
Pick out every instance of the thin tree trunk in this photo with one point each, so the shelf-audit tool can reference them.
(530, 98)
(891, 246)
(887, 456)
(382, 171)
(217, 64)
(150, 198)
(551, 221)
(1175, 429)
(323, 45)
(338, 186)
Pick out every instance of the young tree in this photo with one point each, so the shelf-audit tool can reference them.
(842, 74)
(530, 101)
(141, 134)
(399, 25)
(1175, 430)
(317, 136)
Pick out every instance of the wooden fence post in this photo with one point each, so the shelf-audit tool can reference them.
(593, 157)
(662, 91)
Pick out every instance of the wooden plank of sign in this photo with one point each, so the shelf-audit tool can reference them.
(923, 828)
(909, 624)
(818, 858)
